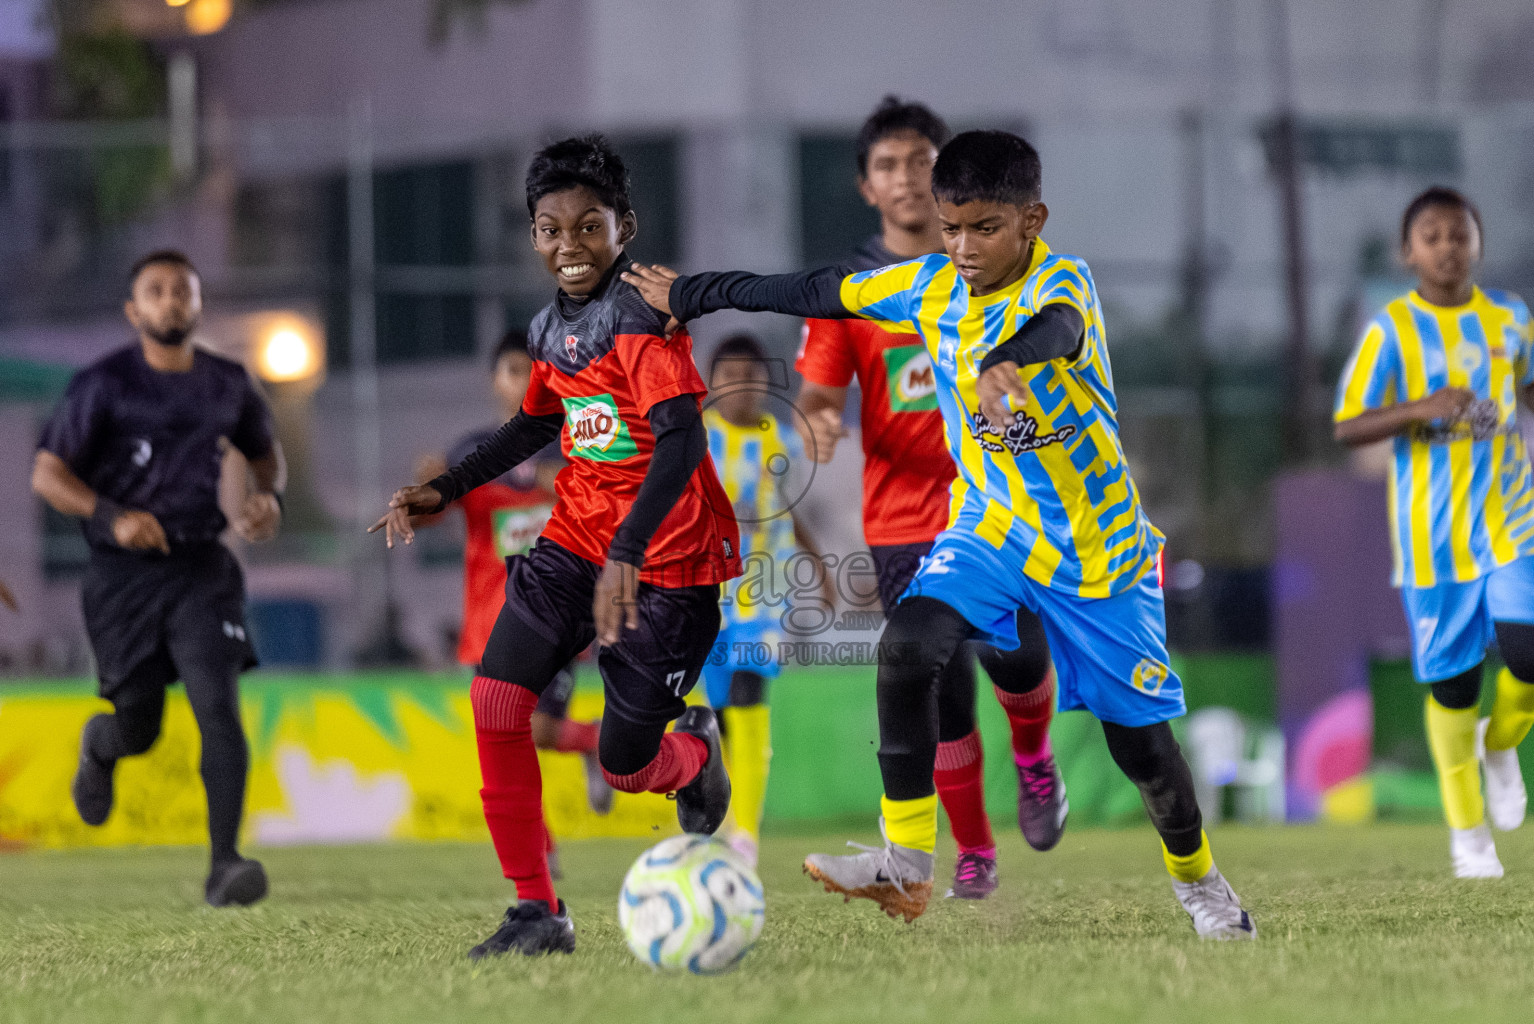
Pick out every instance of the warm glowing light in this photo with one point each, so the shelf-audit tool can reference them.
(287, 351)
(176, 3)
(204, 17)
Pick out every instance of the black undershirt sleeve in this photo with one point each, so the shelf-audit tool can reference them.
(812, 293)
(1054, 332)
(680, 444)
(519, 438)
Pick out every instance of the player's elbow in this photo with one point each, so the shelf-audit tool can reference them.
(43, 473)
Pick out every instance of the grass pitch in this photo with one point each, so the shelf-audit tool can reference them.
(1357, 924)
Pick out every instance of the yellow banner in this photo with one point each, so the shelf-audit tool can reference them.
(360, 762)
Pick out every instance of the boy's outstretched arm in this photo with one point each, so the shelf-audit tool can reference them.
(519, 438)
(811, 293)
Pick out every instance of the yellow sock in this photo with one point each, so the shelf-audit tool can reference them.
(1512, 712)
(750, 733)
(1451, 737)
(1192, 867)
(911, 823)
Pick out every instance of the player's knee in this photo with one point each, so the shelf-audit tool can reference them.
(1144, 753)
(1515, 640)
(923, 634)
(1461, 691)
(545, 730)
(625, 748)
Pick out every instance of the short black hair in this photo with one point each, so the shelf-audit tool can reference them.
(737, 346)
(893, 116)
(1439, 195)
(512, 341)
(992, 167)
(172, 256)
(588, 161)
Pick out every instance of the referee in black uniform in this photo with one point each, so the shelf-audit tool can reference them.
(134, 449)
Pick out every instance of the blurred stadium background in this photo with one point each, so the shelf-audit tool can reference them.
(347, 174)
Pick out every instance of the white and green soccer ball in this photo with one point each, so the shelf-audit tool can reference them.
(691, 904)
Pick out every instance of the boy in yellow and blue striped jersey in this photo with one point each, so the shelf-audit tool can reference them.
(1044, 514)
(1440, 371)
(755, 455)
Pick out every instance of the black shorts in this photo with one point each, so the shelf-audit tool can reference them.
(896, 564)
(140, 610)
(555, 700)
(646, 674)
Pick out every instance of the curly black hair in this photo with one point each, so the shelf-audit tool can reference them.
(589, 161)
(174, 257)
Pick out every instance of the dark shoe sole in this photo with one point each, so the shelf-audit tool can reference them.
(244, 886)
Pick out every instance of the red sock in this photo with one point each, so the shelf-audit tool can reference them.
(513, 792)
(680, 759)
(1029, 714)
(958, 776)
(577, 737)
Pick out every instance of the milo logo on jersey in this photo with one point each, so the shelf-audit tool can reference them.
(515, 529)
(596, 430)
(911, 384)
(1022, 434)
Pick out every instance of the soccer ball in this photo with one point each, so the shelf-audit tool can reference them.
(690, 903)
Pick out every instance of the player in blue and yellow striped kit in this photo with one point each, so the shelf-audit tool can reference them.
(755, 455)
(1044, 514)
(1440, 371)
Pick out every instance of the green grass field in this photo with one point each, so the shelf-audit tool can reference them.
(1356, 924)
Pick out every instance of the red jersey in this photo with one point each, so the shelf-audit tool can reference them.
(501, 519)
(906, 466)
(603, 364)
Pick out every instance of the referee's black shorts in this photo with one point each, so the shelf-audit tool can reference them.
(144, 614)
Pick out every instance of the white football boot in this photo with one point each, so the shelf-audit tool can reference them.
(1215, 908)
(1507, 801)
(1474, 853)
(897, 878)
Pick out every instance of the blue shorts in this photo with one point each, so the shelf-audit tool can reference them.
(1109, 652)
(750, 646)
(1451, 624)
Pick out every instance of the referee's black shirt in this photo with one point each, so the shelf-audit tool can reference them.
(150, 440)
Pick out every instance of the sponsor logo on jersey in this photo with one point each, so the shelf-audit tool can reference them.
(596, 430)
(142, 452)
(1021, 436)
(912, 386)
(515, 529)
(571, 344)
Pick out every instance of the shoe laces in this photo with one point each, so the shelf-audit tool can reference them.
(970, 867)
(887, 865)
(1213, 899)
(1038, 779)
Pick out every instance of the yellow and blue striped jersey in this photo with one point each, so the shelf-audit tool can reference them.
(753, 464)
(1461, 496)
(1054, 488)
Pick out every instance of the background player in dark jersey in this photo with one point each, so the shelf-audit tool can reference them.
(501, 519)
(134, 449)
(907, 471)
(640, 539)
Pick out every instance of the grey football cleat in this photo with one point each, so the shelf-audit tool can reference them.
(1215, 908)
(897, 878)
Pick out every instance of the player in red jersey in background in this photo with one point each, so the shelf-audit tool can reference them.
(906, 474)
(501, 519)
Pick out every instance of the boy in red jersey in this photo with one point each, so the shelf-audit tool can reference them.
(906, 475)
(501, 519)
(639, 541)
